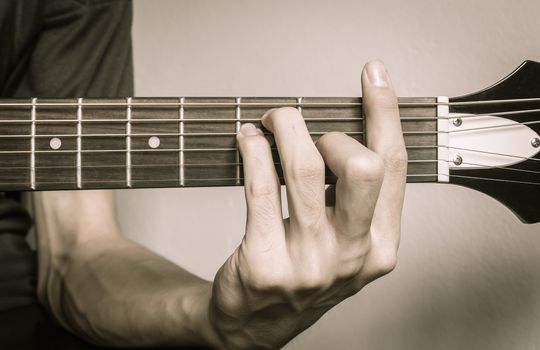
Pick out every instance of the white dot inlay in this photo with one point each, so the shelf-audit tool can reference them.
(154, 142)
(55, 143)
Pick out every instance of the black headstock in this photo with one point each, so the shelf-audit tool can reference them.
(517, 185)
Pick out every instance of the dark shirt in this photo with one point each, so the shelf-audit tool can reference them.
(54, 48)
(60, 49)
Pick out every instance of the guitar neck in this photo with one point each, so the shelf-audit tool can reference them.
(53, 144)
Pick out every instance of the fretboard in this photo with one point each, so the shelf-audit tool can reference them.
(48, 144)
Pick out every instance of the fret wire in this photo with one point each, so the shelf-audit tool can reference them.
(237, 127)
(266, 104)
(33, 145)
(181, 141)
(79, 143)
(299, 104)
(128, 143)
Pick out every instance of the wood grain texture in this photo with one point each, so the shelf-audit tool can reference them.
(15, 173)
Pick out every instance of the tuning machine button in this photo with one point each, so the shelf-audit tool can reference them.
(458, 160)
(457, 122)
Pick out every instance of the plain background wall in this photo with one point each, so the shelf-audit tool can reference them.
(468, 275)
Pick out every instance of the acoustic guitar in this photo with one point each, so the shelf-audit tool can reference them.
(488, 141)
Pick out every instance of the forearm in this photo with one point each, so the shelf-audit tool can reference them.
(118, 293)
(112, 291)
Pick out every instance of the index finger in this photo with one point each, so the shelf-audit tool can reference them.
(385, 138)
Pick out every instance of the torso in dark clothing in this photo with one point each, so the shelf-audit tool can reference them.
(53, 48)
(61, 49)
(69, 48)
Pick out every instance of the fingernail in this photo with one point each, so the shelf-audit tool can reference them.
(376, 73)
(267, 113)
(248, 129)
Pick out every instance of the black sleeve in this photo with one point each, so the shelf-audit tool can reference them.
(83, 49)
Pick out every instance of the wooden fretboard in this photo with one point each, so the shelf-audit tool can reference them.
(172, 142)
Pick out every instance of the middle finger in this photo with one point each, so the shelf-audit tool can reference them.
(303, 167)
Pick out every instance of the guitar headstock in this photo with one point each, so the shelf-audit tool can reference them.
(503, 121)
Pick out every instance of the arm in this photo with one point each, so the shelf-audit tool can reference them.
(284, 275)
(107, 289)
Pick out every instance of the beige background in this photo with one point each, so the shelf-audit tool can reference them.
(469, 272)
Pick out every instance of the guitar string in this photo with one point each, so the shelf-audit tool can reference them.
(491, 153)
(509, 125)
(413, 132)
(259, 104)
(229, 149)
(170, 165)
(512, 125)
(487, 166)
(234, 164)
(101, 182)
(496, 179)
(174, 165)
(175, 180)
(234, 120)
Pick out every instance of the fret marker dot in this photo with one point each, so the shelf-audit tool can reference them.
(55, 143)
(154, 142)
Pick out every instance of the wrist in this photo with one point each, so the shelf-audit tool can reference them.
(198, 310)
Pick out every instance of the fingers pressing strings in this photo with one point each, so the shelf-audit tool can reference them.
(360, 174)
(385, 138)
(261, 184)
(303, 167)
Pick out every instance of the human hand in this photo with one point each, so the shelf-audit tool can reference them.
(287, 273)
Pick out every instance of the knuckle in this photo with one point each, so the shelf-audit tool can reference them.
(264, 281)
(258, 188)
(384, 262)
(313, 280)
(259, 277)
(306, 168)
(367, 167)
(329, 138)
(312, 219)
(396, 161)
(353, 257)
(349, 269)
(306, 180)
